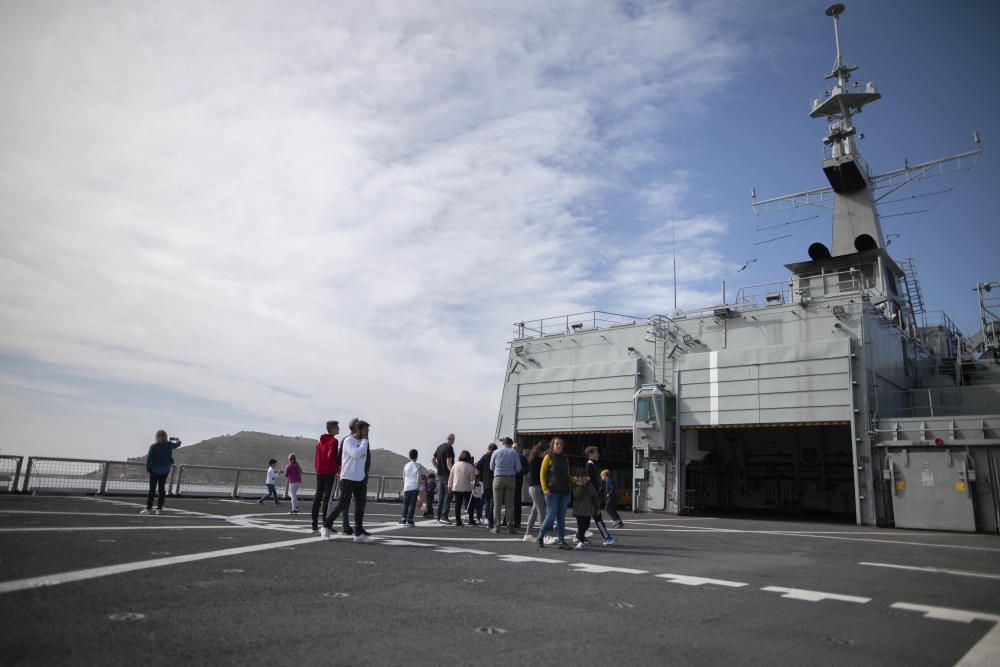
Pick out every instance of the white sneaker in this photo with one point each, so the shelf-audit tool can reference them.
(527, 538)
(157, 511)
(364, 539)
(581, 545)
(576, 540)
(324, 533)
(145, 511)
(551, 539)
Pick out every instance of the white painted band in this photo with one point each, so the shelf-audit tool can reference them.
(713, 387)
(814, 596)
(935, 570)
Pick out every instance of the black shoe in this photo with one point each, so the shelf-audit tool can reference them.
(564, 545)
(541, 542)
(361, 531)
(348, 531)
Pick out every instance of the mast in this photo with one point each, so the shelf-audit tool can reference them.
(856, 226)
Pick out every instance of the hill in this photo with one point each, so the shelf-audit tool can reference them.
(249, 449)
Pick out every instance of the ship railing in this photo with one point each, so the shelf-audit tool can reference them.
(564, 324)
(10, 472)
(813, 285)
(846, 147)
(947, 401)
(47, 474)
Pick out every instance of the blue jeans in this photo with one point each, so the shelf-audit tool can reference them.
(271, 493)
(444, 497)
(555, 505)
(409, 504)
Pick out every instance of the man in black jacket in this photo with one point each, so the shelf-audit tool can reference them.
(486, 476)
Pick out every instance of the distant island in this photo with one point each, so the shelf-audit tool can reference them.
(250, 449)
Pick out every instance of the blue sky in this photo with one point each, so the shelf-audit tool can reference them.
(261, 216)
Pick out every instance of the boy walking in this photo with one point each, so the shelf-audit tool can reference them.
(411, 487)
(269, 481)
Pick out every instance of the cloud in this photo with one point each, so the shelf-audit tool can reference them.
(304, 211)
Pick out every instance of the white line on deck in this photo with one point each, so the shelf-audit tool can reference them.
(985, 652)
(516, 558)
(686, 580)
(814, 596)
(95, 572)
(935, 570)
(602, 569)
(460, 550)
(63, 529)
(946, 613)
(71, 513)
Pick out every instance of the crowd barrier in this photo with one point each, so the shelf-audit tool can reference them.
(47, 474)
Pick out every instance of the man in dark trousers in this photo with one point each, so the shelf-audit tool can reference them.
(443, 460)
(593, 454)
(353, 481)
(519, 485)
(327, 466)
(486, 476)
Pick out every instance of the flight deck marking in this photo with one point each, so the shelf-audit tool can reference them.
(946, 613)
(602, 569)
(814, 596)
(686, 580)
(935, 570)
(96, 572)
(459, 550)
(985, 651)
(393, 542)
(78, 529)
(515, 558)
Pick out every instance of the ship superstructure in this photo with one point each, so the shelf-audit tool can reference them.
(833, 391)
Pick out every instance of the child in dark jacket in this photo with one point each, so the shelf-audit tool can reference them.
(585, 505)
(611, 493)
(429, 491)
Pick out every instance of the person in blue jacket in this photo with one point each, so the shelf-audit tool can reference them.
(158, 461)
(611, 492)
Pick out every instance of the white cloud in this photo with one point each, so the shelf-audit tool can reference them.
(312, 210)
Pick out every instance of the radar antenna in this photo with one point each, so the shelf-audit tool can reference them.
(851, 193)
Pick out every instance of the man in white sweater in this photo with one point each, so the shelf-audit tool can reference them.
(353, 480)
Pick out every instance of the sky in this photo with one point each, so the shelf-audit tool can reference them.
(218, 217)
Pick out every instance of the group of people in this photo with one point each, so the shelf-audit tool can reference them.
(493, 486)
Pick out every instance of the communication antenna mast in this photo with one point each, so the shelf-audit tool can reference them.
(673, 244)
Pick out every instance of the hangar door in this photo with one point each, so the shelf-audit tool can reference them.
(581, 397)
(768, 429)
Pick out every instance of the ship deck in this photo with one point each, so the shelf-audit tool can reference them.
(88, 580)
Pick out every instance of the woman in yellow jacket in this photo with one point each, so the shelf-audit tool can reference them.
(555, 482)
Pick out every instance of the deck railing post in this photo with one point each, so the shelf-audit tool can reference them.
(27, 474)
(105, 469)
(180, 478)
(236, 484)
(17, 473)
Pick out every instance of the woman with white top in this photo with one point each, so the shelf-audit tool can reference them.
(460, 482)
